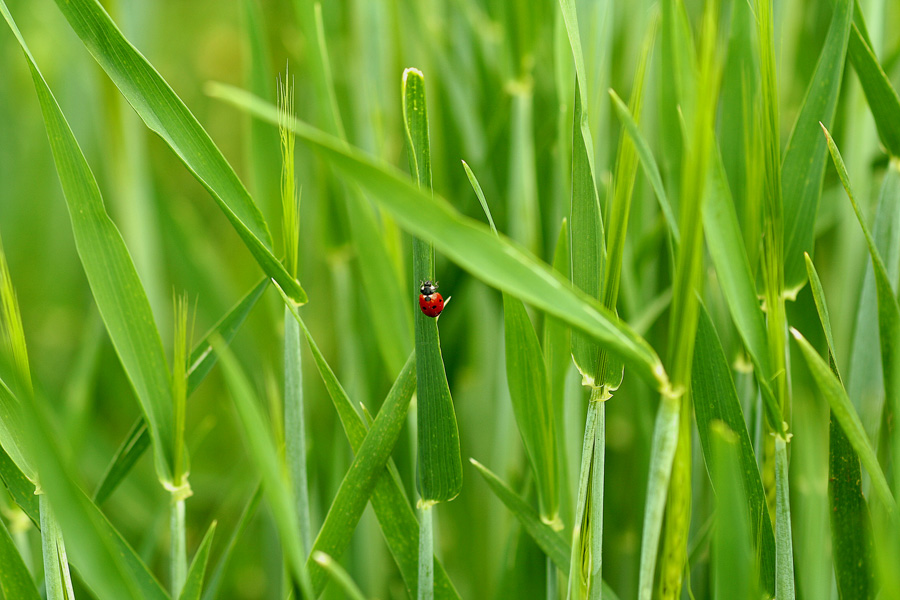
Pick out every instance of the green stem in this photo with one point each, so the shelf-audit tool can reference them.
(552, 582)
(598, 473)
(784, 554)
(179, 547)
(295, 426)
(587, 535)
(426, 555)
(56, 566)
(662, 453)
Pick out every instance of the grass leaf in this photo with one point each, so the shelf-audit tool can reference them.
(164, 113)
(726, 248)
(193, 585)
(111, 274)
(733, 557)
(846, 415)
(392, 508)
(364, 473)
(850, 526)
(648, 163)
(498, 262)
(265, 455)
(881, 96)
(716, 401)
(15, 580)
(805, 156)
(439, 463)
(888, 316)
(201, 363)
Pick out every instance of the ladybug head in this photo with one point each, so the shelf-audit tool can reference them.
(428, 288)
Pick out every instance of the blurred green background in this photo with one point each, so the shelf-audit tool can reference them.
(500, 97)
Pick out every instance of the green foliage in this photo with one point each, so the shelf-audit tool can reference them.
(661, 226)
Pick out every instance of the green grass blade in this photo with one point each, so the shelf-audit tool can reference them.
(265, 455)
(526, 376)
(340, 577)
(15, 580)
(585, 218)
(784, 553)
(439, 462)
(392, 508)
(648, 163)
(726, 248)
(881, 96)
(733, 559)
(101, 556)
(836, 396)
(193, 585)
(20, 489)
(57, 580)
(215, 580)
(850, 526)
(558, 357)
(164, 113)
(888, 315)
(716, 401)
(550, 541)
(498, 262)
(11, 431)
(364, 473)
(480, 194)
(111, 274)
(805, 156)
(201, 363)
(78, 513)
(588, 247)
(662, 452)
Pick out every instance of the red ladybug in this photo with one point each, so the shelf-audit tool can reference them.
(430, 301)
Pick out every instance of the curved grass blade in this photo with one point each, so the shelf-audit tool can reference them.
(111, 274)
(888, 315)
(716, 401)
(193, 585)
(733, 558)
(850, 526)
(265, 455)
(846, 415)
(648, 163)
(439, 463)
(881, 96)
(588, 247)
(527, 375)
(164, 113)
(392, 508)
(804, 159)
(15, 580)
(87, 515)
(20, 488)
(550, 541)
(365, 471)
(340, 577)
(729, 255)
(498, 262)
(201, 363)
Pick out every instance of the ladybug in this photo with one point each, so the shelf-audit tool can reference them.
(430, 301)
